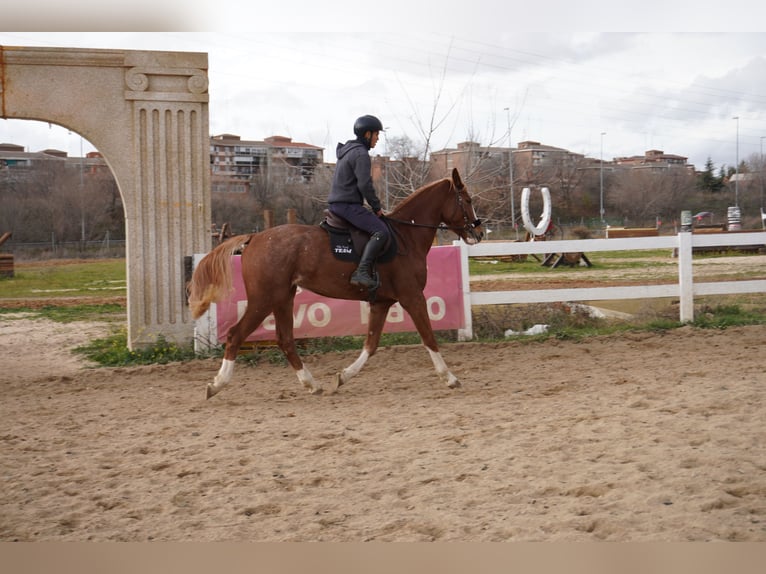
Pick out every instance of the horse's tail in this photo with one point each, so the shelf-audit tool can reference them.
(211, 280)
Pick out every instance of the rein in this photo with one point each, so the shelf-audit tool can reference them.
(413, 224)
(443, 226)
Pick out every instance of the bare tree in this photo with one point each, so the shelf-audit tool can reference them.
(308, 199)
(639, 195)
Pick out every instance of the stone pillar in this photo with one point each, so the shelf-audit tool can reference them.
(171, 206)
(147, 113)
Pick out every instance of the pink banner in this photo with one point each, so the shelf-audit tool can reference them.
(316, 316)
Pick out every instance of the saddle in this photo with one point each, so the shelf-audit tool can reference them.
(347, 241)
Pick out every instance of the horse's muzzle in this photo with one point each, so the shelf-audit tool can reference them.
(475, 232)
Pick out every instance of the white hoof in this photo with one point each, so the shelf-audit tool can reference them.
(309, 382)
(221, 379)
(453, 382)
(441, 369)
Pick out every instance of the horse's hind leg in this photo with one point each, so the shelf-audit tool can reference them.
(234, 339)
(283, 316)
(378, 313)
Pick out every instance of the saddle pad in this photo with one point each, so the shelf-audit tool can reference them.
(347, 245)
(340, 243)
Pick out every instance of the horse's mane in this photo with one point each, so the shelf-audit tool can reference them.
(414, 195)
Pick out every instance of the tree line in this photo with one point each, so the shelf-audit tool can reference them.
(60, 203)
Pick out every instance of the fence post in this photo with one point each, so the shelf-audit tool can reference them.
(685, 277)
(466, 333)
(206, 327)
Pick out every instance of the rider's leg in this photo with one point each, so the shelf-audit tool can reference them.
(363, 274)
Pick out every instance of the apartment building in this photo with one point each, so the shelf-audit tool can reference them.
(531, 160)
(466, 157)
(236, 164)
(15, 160)
(15, 157)
(655, 160)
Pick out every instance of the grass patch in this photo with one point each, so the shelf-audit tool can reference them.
(97, 278)
(112, 351)
(722, 316)
(573, 323)
(108, 312)
(599, 261)
(635, 254)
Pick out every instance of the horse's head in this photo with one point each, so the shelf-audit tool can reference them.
(459, 215)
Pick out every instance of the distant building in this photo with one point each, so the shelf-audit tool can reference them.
(466, 157)
(655, 160)
(14, 159)
(531, 159)
(237, 164)
(533, 162)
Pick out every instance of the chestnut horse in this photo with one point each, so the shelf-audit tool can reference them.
(278, 260)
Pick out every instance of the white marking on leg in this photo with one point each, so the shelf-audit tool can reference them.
(224, 373)
(353, 369)
(307, 380)
(442, 370)
(222, 378)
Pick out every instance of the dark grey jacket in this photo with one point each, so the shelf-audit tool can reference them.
(352, 181)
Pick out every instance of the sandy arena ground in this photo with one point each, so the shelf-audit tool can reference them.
(637, 437)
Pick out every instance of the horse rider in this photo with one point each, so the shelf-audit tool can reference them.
(351, 187)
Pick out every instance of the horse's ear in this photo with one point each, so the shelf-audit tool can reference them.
(456, 178)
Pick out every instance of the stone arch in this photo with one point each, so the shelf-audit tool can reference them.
(147, 113)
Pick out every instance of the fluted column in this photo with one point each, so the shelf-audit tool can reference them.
(170, 209)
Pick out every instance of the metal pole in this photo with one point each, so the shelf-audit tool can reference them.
(510, 173)
(601, 177)
(763, 220)
(761, 171)
(385, 139)
(736, 168)
(82, 200)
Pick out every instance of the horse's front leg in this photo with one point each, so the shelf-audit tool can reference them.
(418, 310)
(283, 316)
(378, 314)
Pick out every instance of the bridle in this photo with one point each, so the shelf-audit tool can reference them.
(468, 225)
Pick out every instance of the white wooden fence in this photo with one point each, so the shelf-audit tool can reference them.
(685, 289)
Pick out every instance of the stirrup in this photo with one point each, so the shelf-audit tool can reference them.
(363, 280)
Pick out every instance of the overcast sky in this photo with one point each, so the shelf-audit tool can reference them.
(272, 74)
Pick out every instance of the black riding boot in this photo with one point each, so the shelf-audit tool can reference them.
(363, 274)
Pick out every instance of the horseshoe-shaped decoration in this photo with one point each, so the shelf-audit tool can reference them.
(545, 220)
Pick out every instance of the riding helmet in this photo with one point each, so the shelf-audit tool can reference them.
(367, 124)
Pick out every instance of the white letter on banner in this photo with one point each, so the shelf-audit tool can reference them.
(241, 308)
(395, 314)
(317, 309)
(269, 323)
(440, 310)
(298, 319)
